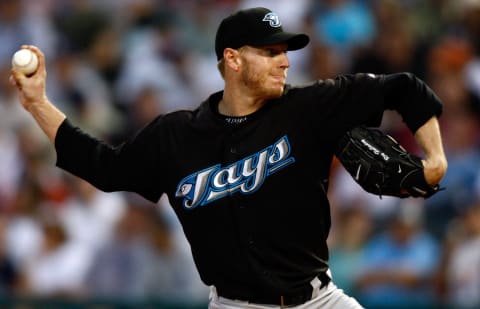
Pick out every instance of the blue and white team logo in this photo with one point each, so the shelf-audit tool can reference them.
(245, 176)
(272, 19)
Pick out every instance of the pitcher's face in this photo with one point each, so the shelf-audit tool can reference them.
(264, 69)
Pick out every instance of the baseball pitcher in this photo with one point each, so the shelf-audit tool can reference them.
(247, 171)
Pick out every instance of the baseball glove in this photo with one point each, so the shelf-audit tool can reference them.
(380, 165)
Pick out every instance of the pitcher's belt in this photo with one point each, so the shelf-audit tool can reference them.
(281, 300)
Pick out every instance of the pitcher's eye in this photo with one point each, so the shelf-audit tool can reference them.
(274, 52)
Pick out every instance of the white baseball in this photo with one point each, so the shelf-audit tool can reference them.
(25, 61)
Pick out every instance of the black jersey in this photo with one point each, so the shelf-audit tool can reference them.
(250, 192)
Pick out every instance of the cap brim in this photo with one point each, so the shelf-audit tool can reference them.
(293, 40)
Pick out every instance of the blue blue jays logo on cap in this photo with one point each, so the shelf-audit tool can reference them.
(272, 19)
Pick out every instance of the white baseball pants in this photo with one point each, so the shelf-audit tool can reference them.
(328, 297)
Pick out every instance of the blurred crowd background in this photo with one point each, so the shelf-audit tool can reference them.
(113, 65)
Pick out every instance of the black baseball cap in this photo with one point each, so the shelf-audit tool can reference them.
(255, 27)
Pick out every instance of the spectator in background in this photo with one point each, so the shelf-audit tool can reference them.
(9, 157)
(38, 187)
(89, 216)
(463, 272)
(9, 274)
(469, 18)
(153, 46)
(14, 30)
(23, 233)
(399, 263)
(60, 268)
(393, 48)
(352, 227)
(144, 107)
(120, 268)
(325, 62)
(461, 127)
(172, 273)
(80, 89)
(344, 25)
(144, 260)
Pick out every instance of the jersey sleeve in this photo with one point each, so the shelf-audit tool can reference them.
(360, 99)
(412, 98)
(133, 166)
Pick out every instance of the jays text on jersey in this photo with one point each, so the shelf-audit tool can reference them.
(251, 193)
